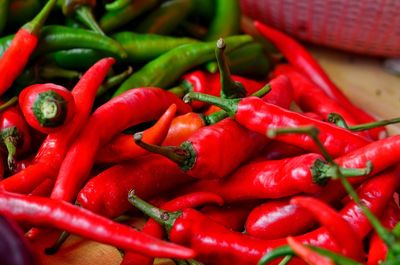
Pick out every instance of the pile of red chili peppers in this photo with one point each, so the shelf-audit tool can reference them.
(177, 109)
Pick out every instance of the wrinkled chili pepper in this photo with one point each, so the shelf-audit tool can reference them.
(275, 178)
(166, 17)
(339, 229)
(377, 251)
(106, 192)
(62, 215)
(109, 119)
(114, 19)
(123, 147)
(300, 58)
(52, 151)
(259, 116)
(206, 154)
(225, 21)
(179, 60)
(14, 248)
(47, 107)
(82, 10)
(215, 244)
(152, 228)
(22, 46)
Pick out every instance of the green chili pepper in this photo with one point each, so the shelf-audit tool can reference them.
(78, 58)
(3, 13)
(120, 17)
(117, 4)
(167, 68)
(166, 18)
(55, 38)
(81, 10)
(142, 48)
(226, 20)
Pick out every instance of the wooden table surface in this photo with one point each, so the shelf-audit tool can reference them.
(362, 79)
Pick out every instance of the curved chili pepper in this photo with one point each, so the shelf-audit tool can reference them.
(14, 248)
(275, 178)
(300, 58)
(15, 134)
(166, 17)
(4, 4)
(52, 151)
(41, 211)
(82, 11)
(47, 107)
(182, 127)
(123, 147)
(260, 116)
(340, 230)
(179, 60)
(142, 48)
(225, 21)
(377, 251)
(106, 193)
(22, 46)
(111, 20)
(309, 97)
(207, 153)
(111, 118)
(152, 228)
(277, 219)
(215, 244)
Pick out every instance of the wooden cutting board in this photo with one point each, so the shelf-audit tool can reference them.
(362, 79)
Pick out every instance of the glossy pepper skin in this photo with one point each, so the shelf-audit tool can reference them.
(123, 147)
(21, 47)
(177, 61)
(14, 248)
(152, 228)
(300, 58)
(259, 116)
(47, 107)
(215, 244)
(109, 119)
(149, 176)
(48, 160)
(43, 211)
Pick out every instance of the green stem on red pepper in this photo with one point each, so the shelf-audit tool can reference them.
(339, 121)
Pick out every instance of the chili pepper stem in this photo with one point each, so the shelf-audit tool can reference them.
(50, 108)
(322, 171)
(215, 117)
(85, 15)
(338, 259)
(10, 142)
(56, 246)
(9, 103)
(229, 105)
(276, 253)
(286, 260)
(162, 217)
(184, 155)
(339, 121)
(35, 25)
(229, 87)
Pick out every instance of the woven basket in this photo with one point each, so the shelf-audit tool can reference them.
(367, 26)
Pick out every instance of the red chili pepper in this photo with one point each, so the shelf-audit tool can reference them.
(309, 256)
(22, 46)
(41, 211)
(311, 98)
(15, 135)
(278, 150)
(123, 147)
(47, 107)
(377, 248)
(43, 189)
(183, 127)
(275, 178)
(51, 153)
(152, 175)
(260, 116)
(152, 228)
(339, 229)
(208, 152)
(277, 219)
(300, 58)
(111, 118)
(215, 244)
